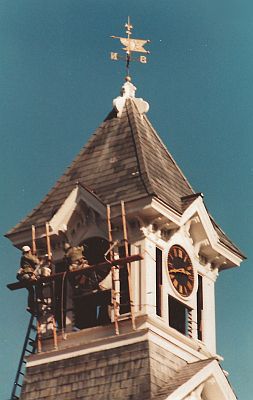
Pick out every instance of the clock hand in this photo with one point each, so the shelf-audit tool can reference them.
(180, 270)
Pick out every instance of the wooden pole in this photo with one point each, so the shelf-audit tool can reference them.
(58, 275)
(128, 264)
(54, 333)
(34, 250)
(52, 287)
(114, 284)
(39, 336)
(116, 295)
(48, 242)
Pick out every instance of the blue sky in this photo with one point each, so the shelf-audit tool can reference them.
(57, 84)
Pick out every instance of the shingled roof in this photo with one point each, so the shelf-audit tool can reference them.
(126, 160)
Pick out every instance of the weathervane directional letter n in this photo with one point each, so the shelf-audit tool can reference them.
(114, 56)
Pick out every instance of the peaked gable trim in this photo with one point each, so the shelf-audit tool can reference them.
(231, 253)
(198, 207)
(64, 213)
(210, 371)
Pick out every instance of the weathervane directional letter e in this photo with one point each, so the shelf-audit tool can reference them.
(114, 56)
(143, 59)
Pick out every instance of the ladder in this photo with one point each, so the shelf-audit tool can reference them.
(44, 297)
(115, 270)
(29, 347)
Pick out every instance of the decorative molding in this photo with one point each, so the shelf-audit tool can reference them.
(79, 200)
(210, 381)
(196, 394)
(199, 245)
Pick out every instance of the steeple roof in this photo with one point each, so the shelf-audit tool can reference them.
(124, 159)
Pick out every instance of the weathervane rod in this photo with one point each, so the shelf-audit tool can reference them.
(131, 45)
(128, 53)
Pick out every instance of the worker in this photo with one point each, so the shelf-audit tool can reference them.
(29, 265)
(74, 257)
(46, 266)
(76, 260)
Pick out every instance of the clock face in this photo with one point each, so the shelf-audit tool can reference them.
(180, 270)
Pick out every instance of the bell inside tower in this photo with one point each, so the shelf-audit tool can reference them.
(92, 306)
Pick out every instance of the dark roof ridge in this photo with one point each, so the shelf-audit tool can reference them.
(224, 239)
(192, 196)
(91, 192)
(135, 137)
(172, 158)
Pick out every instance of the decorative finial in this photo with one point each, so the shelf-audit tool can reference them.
(131, 45)
(128, 92)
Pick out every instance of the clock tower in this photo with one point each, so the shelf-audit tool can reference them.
(165, 345)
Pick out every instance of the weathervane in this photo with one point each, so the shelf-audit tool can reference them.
(131, 45)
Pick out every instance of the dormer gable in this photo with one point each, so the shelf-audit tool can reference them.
(201, 380)
(205, 235)
(78, 201)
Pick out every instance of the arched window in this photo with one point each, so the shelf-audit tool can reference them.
(91, 308)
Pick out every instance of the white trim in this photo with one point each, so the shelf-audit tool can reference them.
(211, 370)
(63, 215)
(179, 344)
(148, 328)
(163, 209)
(106, 344)
(198, 207)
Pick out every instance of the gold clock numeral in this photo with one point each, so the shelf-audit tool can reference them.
(189, 285)
(170, 265)
(175, 283)
(170, 257)
(175, 251)
(180, 289)
(180, 253)
(185, 290)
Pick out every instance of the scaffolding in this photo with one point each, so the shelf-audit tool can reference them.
(44, 291)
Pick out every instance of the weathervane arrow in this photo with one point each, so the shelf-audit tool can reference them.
(131, 45)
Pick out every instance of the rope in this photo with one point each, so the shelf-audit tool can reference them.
(64, 336)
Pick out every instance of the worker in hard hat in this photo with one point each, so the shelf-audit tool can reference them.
(29, 265)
